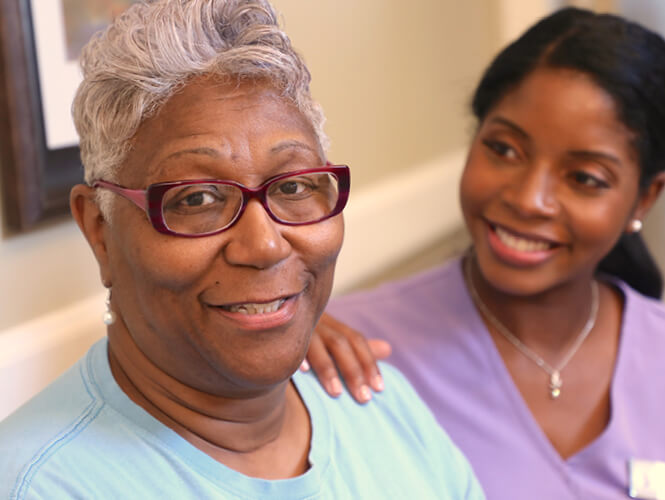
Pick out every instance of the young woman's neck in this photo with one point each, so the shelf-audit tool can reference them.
(549, 321)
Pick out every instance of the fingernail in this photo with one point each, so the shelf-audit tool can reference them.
(335, 386)
(304, 366)
(364, 394)
(377, 383)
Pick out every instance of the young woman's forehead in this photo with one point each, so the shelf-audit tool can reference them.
(567, 100)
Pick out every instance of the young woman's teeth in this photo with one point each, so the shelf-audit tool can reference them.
(521, 244)
(250, 308)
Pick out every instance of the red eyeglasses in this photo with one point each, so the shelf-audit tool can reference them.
(196, 208)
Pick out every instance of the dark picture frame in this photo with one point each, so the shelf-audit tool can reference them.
(36, 180)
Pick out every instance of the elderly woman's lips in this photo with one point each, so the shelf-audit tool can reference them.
(254, 308)
(260, 315)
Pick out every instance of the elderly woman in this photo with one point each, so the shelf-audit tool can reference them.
(215, 220)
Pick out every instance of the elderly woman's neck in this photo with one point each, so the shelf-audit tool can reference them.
(266, 435)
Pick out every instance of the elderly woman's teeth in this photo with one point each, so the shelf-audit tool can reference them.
(250, 308)
(521, 244)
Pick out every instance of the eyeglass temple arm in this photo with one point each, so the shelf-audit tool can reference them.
(137, 196)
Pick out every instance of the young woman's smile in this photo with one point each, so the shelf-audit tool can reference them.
(520, 249)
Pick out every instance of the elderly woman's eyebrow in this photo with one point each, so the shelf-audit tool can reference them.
(214, 153)
(291, 144)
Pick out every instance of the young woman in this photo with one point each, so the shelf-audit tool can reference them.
(541, 350)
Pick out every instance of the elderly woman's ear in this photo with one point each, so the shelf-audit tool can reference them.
(91, 221)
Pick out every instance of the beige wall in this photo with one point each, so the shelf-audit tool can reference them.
(394, 83)
(394, 77)
(44, 271)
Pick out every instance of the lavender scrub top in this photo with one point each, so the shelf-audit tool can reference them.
(443, 347)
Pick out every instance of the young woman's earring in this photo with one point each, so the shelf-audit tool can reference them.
(635, 225)
(109, 316)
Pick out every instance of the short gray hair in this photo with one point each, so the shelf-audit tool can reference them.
(156, 46)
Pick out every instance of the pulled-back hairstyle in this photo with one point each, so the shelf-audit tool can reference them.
(155, 47)
(628, 62)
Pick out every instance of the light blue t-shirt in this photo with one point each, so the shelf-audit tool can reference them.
(82, 437)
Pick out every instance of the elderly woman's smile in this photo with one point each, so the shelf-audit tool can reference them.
(261, 314)
(239, 305)
(255, 308)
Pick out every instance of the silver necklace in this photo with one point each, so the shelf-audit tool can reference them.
(554, 372)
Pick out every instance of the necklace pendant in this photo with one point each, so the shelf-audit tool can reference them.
(555, 385)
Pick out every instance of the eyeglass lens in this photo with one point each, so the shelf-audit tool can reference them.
(203, 208)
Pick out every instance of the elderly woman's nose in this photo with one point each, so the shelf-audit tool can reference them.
(256, 240)
(532, 192)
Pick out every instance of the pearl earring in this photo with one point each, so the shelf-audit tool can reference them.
(636, 225)
(109, 316)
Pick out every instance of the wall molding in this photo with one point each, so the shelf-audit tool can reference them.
(34, 353)
(396, 218)
(385, 223)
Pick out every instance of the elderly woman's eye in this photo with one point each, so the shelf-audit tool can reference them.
(194, 198)
(198, 199)
(293, 187)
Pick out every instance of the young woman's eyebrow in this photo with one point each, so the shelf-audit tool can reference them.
(596, 155)
(504, 121)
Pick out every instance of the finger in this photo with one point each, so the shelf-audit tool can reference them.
(348, 363)
(304, 366)
(365, 358)
(380, 348)
(324, 367)
(358, 365)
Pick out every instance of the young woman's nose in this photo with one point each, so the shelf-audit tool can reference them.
(532, 192)
(256, 240)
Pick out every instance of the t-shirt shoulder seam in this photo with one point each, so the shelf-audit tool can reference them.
(41, 457)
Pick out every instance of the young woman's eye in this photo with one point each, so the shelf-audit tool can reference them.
(587, 180)
(501, 149)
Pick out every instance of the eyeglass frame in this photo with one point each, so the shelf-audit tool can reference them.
(150, 199)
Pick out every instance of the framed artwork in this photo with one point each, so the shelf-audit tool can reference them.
(40, 41)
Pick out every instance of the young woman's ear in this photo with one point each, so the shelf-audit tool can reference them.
(90, 220)
(646, 201)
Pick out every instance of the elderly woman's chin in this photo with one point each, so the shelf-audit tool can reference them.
(262, 372)
(263, 361)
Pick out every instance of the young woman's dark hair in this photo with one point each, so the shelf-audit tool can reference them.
(628, 62)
